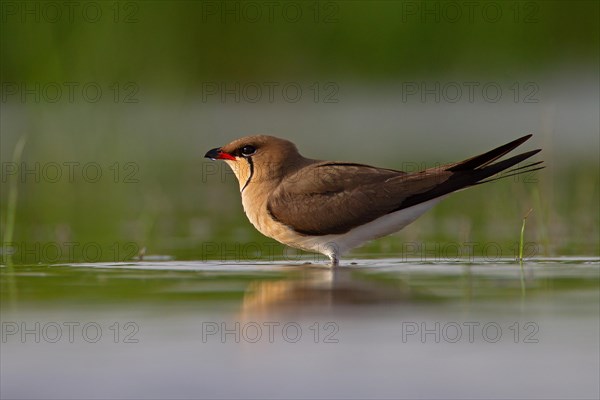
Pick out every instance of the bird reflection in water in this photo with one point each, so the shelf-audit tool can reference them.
(322, 288)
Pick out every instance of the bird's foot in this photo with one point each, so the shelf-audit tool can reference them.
(334, 260)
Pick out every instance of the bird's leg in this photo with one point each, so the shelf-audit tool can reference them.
(335, 261)
(331, 250)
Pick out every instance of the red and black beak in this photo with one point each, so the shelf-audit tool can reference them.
(218, 154)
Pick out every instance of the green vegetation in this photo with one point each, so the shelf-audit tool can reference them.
(177, 45)
(13, 196)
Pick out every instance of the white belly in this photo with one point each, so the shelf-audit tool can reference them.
(338, 244)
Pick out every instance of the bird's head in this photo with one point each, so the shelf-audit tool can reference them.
(258, 158)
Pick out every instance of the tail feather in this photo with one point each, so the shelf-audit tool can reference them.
(490, 170)
(486, 158)
(535, 166)
(473, 171)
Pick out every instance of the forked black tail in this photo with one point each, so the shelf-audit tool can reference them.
(475, 171)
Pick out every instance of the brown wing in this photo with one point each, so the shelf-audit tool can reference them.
(332, 198)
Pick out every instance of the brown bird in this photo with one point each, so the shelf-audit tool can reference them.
(331, 207)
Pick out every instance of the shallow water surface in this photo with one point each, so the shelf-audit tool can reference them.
(374, 328)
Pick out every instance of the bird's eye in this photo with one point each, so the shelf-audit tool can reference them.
(247, 151)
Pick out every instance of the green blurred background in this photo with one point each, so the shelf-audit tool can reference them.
(138, 91)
